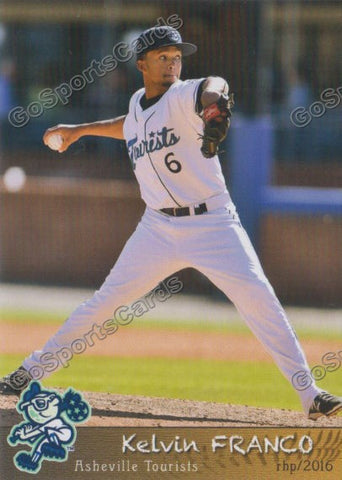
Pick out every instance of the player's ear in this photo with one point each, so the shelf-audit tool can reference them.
(140, 64)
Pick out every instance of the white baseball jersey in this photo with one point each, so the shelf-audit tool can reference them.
(164, 144)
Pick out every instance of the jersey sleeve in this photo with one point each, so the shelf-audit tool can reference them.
(188, 94)
(198, 105)
(133, 101)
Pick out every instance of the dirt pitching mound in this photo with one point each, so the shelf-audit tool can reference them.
(131, 411)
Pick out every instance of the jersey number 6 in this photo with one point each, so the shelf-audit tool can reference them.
(173, 165)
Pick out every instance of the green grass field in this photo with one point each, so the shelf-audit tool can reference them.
(247, 383)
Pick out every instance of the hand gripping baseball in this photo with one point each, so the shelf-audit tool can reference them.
(59, 138)
(216, 123)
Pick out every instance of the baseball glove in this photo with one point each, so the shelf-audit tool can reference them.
(216, 123)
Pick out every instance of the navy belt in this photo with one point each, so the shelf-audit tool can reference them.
(185, 211)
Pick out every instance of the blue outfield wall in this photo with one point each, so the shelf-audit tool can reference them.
(250, 144)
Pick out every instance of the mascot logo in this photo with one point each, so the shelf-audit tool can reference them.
(48, 427)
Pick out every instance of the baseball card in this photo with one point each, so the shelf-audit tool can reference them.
(171, 231)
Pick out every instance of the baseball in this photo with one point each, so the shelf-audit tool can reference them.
(14, 179)
(55, 141)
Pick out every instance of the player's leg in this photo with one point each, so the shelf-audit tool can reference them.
(146, 259)
(226, 256)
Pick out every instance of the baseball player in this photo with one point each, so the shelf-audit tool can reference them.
(172, 131)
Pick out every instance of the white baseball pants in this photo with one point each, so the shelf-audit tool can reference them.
(214, 243)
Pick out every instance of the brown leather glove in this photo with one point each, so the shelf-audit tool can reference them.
(216, 123)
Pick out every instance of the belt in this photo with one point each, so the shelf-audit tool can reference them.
(185, 211)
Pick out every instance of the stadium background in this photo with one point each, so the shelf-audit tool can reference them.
(75, 212)
(68, 223)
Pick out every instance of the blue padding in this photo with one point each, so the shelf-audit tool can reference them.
(251, 153)
(302, 200)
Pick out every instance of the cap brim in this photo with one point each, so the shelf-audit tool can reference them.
(186, 48)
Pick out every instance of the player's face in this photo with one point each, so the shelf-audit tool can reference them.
(161, 67)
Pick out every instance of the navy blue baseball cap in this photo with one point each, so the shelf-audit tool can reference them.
(163, 36)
